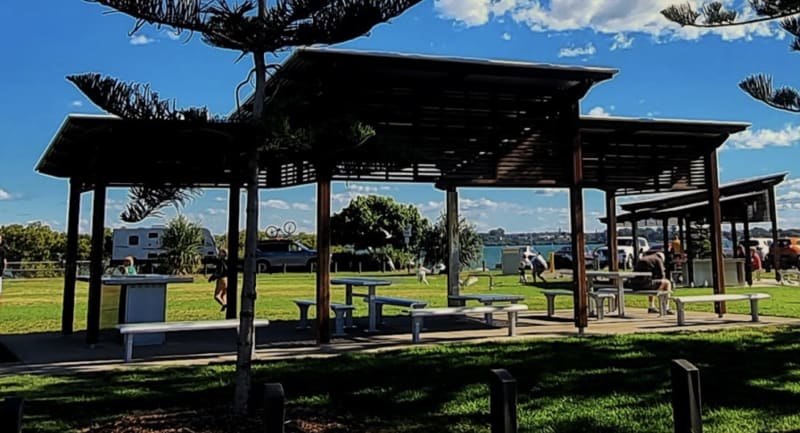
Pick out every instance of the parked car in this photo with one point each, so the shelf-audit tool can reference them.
(624, 251)
(563, 257)
(760, 244)
(787, 249)
(276, 253)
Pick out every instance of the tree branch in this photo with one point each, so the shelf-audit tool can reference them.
(759, 87)
(716, 16)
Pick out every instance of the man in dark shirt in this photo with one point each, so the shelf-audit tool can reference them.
(3, 262)
(653, 263)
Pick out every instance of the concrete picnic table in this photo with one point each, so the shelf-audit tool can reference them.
(620, 277)
(488, 299)
(370, 284)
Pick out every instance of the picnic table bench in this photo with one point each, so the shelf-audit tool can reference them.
(487, 299)
(663, 297)
(418, 315)
(598, 298)
(681, 301)
(380, 301)
(339, 311)
(128, 330)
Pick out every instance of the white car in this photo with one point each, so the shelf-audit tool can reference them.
(624, 251)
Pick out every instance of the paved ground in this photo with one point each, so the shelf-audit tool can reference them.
(57, 354)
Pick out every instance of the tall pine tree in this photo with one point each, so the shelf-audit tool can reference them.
(715, 15)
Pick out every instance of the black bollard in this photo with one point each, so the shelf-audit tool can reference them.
(503, 401)
(11, 416)
(274, 412)
(686, 407)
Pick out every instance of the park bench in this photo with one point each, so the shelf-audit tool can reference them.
(663, 297)
(418, 315)
(129, 330)
(485, 299)
(339, 310)
(380, 301)
(598, 298)
(681, 301)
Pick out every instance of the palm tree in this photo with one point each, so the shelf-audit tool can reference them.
(256, 28)
(182, 242)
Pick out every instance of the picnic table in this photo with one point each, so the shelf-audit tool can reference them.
(370, 284)
(488, 299)
(619, 278)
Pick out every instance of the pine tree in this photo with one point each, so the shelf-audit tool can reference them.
(252, 27)
(715, 14)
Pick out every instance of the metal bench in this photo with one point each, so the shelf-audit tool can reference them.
(663, 297)
(486, 299)
(598, 298)
(681, 301)
(128, 330)
(417, 316)
(380, 301)
(339, 310)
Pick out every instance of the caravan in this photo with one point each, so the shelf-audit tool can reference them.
(144, 245)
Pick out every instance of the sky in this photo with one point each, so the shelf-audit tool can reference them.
(665, 72)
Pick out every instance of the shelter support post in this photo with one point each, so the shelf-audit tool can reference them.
(734, 238)
(635, 237)
(581, 301)
(453, 245)
(773, 217)
(611, 230)
(234, 204)
(665, 247)
(689, 253)
(96, 265)
(323, 260)
(681, 238)
(748, 264)
(71, 257)
(715, 225)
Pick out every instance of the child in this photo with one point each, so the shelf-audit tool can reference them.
(221, 276)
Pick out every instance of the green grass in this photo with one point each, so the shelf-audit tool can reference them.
(34, 305)
(750, 383)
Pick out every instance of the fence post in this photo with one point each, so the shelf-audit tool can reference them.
(11, 416)
(503, 402)
(686, 405)
(274, 403)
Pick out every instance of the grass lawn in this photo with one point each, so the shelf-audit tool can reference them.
(750, 383)
(34, 305)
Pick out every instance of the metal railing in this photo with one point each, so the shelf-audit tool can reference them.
(41, 269)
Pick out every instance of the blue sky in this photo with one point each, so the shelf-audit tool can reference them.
(665, 72)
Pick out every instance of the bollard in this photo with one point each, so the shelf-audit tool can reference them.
(335, 267)
(11, 415)
(383, 266)
(686, 407)
(274, 408)
(284, 268)
(503, 402)
(359, 267)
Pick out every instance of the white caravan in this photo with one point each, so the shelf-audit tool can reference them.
(144, 244)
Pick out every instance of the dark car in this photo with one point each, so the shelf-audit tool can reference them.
(277, 253)
(563, 257)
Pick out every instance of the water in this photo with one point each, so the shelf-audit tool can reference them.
(493, 254)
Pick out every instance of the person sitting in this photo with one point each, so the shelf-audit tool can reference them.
(654, 264)
(126, 268)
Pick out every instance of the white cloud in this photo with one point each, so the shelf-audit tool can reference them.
(548, 192)
(76, 104)
(586, 50)
(300, 206)
(172, 35)
(762, 138)
(221, 198)
(213, 211)
(361, 188)
(609, 17)
(506, 36)
(5, 195)
(141, 40)
(621, 42)
(276, 204)
(599, 112)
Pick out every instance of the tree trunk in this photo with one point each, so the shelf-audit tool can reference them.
(246, 343)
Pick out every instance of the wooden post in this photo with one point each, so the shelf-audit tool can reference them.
(324, 260)
(71, 257)
(689, 253)
(11, 416)
(611, 230)
(686, 404)
(734, 237)
(571, 119)
(773, 217)
(453, 245)
(635, 236)
(234, 204)
(748, 264)
(96, 265)
(503, 402)
(717, 270)
(665, 238)
(274, 408)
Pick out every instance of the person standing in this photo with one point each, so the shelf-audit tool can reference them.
(539, 264)
(220, 275)
(755, 265)
(3, 261)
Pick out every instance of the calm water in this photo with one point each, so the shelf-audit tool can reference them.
(492, 254)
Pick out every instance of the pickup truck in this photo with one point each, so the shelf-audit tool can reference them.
(624, 250)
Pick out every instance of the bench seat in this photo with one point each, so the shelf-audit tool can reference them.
(681, 301)
(598, 298)
(339, 311)
(417, 316)
(380, 301)
(128, 330)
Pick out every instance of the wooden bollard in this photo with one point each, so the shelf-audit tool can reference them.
(359, 267)
(686, 405)
(503, 402)
(11, 415)
(274, 408)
